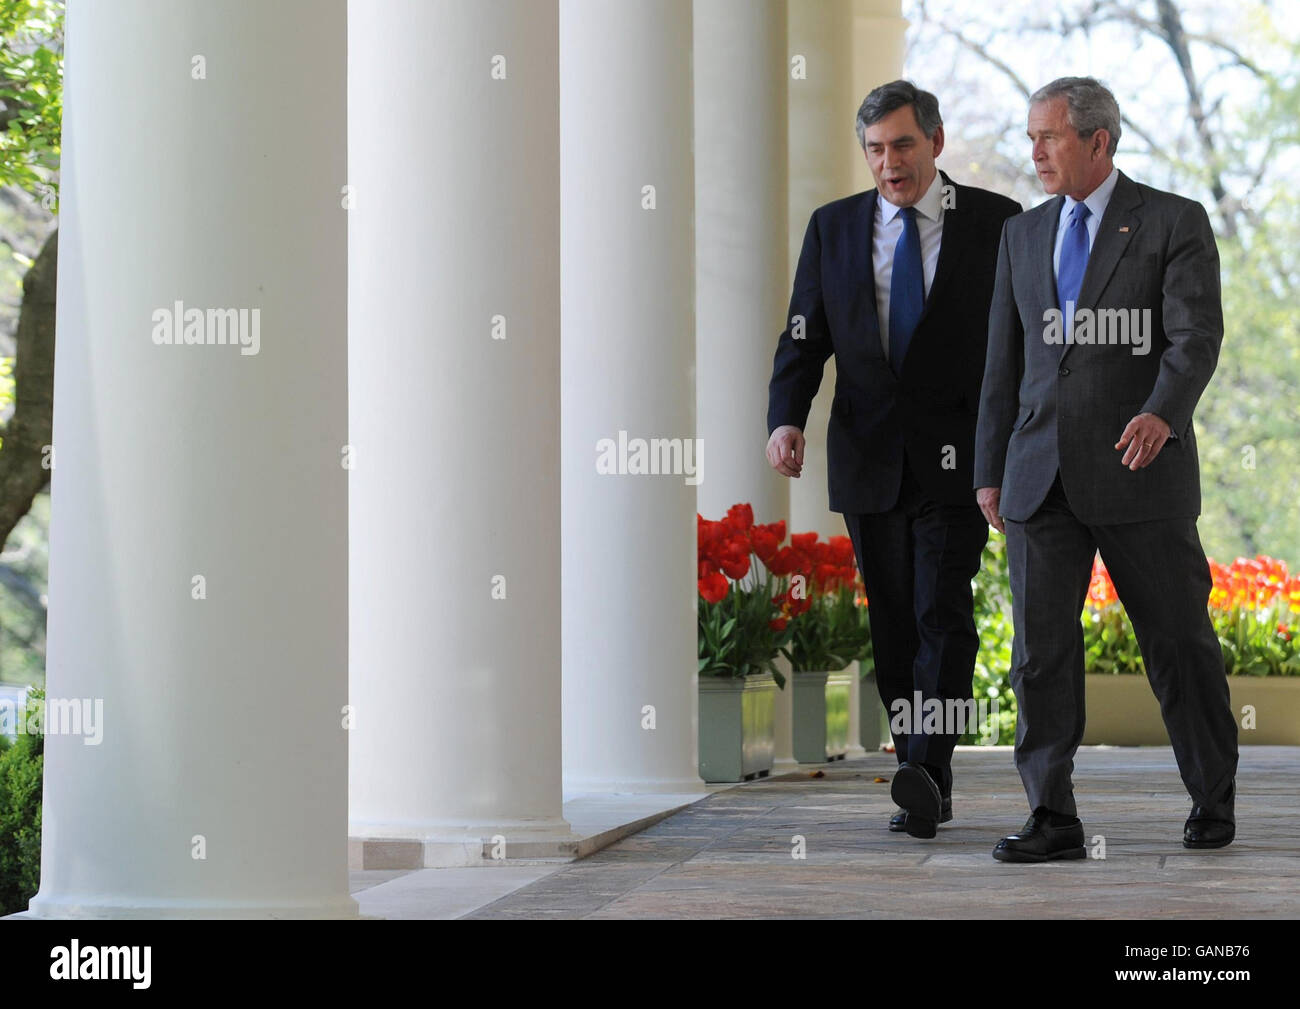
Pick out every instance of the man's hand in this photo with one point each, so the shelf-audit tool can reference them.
(989, 498)
(785, 450)
(1145, 436)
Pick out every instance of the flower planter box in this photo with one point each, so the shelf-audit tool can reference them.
(873, 723)
(1123, 711)
(821, 715)
(737, 727)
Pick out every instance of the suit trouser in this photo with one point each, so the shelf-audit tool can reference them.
(1163, 579)
(917, 561)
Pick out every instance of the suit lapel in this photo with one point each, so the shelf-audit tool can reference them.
(861, 274)
(952, 246)
(1118, 225)
(1043, 247)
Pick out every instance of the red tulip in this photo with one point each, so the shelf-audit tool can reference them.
(740, 517)
(842, 549)
(714, 587)
(735, 561)
(1101, 591)
(766, 540)
(803, 542)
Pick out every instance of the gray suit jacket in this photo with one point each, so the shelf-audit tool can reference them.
(1047, 406)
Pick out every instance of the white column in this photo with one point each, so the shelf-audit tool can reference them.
(851, 46)
(783, 761)
(198, 570)
(740, 245)
(855, 748)
(819, 83)
(455, 379)
(627, 300)
(822, 106)
(878, 36)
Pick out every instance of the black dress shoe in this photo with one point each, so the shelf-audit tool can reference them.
(1203, 833)
(898, 819)
(916, 792)
(1212, 827)
(1039, 841)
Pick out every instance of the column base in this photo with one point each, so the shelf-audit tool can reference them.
(574, 785)
(68, 906)
(433, 845)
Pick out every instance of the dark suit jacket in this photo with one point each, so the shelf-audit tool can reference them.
(874, 415)
(1046, 406)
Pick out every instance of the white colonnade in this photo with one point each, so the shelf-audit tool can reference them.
(410, 420)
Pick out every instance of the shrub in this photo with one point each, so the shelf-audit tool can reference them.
(21, 765)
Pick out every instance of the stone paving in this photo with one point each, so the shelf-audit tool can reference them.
(730, 855)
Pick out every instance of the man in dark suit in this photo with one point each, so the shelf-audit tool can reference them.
(1085, 442)
(896, 282)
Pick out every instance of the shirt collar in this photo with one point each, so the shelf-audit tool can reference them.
(930, 205)
(1097, 200)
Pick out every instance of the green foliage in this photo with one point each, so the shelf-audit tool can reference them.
(1108, 642)
(816, 643)
(6, 385)
(31, 88)
(1256, 645)
(850, 629)
(21, 767)
(1249, 417)
(6, 382)
(1253, 643)
(736, 637)
(22, 597)
(993, 623)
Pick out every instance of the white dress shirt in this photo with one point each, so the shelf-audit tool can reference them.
(1097, 201)
(886, 232)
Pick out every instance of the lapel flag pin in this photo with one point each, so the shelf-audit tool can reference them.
(1125, 228)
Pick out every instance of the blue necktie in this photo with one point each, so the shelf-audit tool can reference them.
(1074, 260)
(906, 290)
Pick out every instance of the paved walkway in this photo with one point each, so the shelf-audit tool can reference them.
(730, 855)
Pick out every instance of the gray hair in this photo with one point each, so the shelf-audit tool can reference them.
(1090, 106)
(894, 95)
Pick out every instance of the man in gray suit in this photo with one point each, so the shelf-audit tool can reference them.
(1104, 331)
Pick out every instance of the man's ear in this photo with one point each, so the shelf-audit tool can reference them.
(937, 139)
